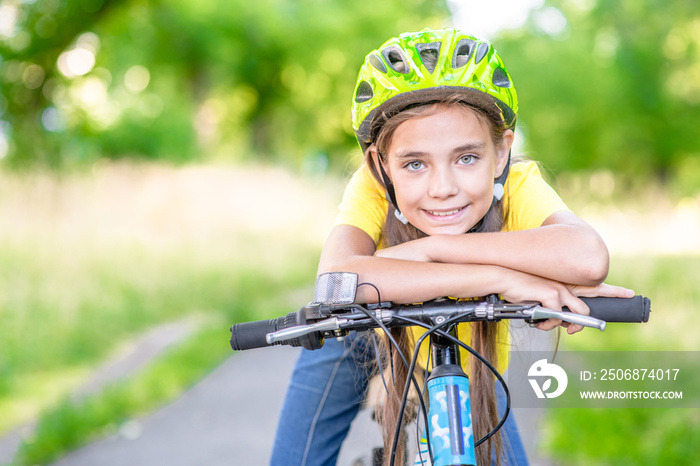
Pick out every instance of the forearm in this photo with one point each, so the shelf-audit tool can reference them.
(567, 253)
(412, 279)
(349, 249)
(403, 281)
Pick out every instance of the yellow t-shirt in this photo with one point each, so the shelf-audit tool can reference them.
(528, 201)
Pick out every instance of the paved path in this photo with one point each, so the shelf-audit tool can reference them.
(229, 418)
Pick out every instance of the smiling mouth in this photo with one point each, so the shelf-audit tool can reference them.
(444, 213)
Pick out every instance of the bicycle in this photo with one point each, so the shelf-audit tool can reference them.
(447, 421)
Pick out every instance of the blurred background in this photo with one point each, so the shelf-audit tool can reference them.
(172, 162)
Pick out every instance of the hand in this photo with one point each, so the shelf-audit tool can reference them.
(602, 290)
(552, 294)
(410, 251)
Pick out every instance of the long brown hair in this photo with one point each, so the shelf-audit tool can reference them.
(484, 335)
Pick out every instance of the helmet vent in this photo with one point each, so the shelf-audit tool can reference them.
(364, 92)
(377, 62)
(481, 51)
(500, 78)
(429, 54)
(463, 51)
(394, 57)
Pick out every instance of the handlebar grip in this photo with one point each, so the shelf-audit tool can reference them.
(632, 310)
(250, 335)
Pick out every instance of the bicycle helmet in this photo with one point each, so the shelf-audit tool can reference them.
(421, 67)
(424, 66)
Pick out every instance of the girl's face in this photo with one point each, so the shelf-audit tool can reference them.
(443, 168)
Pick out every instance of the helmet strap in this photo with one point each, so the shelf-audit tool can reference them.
(391, 193)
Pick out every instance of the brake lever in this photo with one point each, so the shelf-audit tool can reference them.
(297, 331)
(541, 313)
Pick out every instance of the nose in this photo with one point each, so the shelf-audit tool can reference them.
(443, 183)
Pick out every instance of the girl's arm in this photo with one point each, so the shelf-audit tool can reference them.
(349, 249)
(564, 248)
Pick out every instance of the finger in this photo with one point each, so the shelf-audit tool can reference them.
(571, 328)
(579, 307)
(613, 291)
(576, 305)
(603, 290)
(549, 324)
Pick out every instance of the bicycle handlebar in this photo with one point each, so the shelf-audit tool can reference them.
(333, 315)
(314, 322)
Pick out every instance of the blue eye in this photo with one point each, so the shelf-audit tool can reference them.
(467, 159)
(415, 165)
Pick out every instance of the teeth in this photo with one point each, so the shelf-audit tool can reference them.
(444, 214)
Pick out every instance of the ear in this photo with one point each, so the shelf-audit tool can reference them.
(502, 151)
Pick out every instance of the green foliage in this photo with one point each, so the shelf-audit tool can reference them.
(670, 282)
(601, 84)
(615, 87)
(179, 80)
(624, 436)
(636, 436)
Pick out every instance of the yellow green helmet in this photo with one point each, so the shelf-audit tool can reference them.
(429, 65)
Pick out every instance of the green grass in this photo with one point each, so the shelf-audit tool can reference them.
(63, 331)
(636, 436)
(59, 320)
(91, 261)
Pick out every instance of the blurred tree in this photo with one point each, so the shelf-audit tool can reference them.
(32, 36)
(179, 79)
(610, 84)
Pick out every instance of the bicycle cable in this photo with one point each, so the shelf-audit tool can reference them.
(437, 329)
(411, 375)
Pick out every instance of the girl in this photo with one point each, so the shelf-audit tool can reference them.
(434, 112)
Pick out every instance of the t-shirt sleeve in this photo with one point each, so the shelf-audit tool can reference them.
(364, 204)
(530, 198)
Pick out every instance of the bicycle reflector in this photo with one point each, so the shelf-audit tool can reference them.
(336, 288)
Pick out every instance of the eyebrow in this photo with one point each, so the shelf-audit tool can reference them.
(463, 148)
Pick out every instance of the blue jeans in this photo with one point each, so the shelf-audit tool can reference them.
(324, 396)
